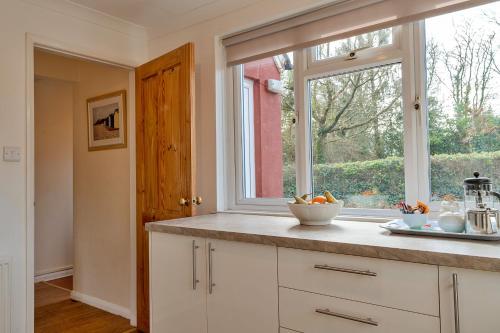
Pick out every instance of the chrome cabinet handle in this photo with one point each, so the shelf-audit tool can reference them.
(327, 312)
(456, 308)
(195, 280)
(210, 268)
(345, 270)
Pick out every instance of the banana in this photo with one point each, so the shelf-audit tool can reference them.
(329, 197)
(299, 200)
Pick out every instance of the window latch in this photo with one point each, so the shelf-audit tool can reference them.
(353, 53)
(416, 104)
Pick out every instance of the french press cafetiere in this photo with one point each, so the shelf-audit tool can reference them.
(480, 214)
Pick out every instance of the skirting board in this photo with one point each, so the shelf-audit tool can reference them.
(56, 274)
(101, 304)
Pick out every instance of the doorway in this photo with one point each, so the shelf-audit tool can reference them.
(82, 234)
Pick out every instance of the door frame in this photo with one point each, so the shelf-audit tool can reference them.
(36, 41)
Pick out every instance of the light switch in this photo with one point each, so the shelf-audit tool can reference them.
(12, 154)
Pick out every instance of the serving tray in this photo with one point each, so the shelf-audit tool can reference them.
(432, 229)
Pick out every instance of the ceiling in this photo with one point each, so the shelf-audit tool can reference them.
(167, 15)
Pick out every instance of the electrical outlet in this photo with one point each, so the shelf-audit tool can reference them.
(12, 154)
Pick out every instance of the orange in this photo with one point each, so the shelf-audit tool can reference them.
(319, 199)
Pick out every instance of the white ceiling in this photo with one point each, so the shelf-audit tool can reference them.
(167, 15)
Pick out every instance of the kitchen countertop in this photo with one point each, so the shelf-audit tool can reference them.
(365, 239)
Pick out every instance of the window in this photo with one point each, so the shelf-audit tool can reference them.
(463, 76)
(267, 127)
(351, 47)
(404, 113)
(357, 125)
(248, 142)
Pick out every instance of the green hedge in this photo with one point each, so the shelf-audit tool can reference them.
(380, 183)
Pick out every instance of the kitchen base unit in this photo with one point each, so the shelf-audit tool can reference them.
(203, 285)
(228, 273)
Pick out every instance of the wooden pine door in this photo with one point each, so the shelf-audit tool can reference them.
(165, 159)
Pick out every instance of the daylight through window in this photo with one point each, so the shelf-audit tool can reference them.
(403, 113)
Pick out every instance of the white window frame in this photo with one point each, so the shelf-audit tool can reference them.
(368, 53)
(239, 201)
(248, 144)
(407, 48)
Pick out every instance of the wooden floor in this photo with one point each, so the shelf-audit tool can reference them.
(55, 312)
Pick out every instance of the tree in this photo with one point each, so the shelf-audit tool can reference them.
(353, 112)
(466, 70)
(469, 65)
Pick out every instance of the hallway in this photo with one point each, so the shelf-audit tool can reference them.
(55, 312)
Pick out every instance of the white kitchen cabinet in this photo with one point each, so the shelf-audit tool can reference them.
(244, 294)
(473, 300)
(242, 297)
(178, 301)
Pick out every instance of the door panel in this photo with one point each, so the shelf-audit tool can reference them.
(178, 304)
(244, 296)
(169, 127)
(165, 162)
(151, 105)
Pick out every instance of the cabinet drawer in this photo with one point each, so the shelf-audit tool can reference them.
(395, 284)
(313, 313)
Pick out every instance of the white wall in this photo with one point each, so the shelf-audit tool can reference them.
(53, 175)
(209, 69)
(102, 198)
(90, 34)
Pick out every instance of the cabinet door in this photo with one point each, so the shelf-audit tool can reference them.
(478, 300)
(178, 284)
(244, 293)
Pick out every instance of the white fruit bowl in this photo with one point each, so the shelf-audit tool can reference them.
(321, 214)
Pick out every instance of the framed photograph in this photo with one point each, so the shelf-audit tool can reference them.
(107, 121)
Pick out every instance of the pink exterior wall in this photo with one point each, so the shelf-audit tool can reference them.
(267, 129)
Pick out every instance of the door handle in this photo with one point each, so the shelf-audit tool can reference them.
(183, 202)
(211, 283)
(456, 307)
(195, 280)
(197, 201)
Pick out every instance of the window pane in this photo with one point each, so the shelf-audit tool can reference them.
(268, 128)
(463, 76)
(344, 46)
(357, 134)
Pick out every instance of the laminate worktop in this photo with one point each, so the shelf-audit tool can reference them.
(364, 239)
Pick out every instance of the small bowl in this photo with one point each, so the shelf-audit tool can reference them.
(321, 214)
(415, 221)
(452, 222)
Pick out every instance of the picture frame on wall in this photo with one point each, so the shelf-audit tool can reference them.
(107, 121)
